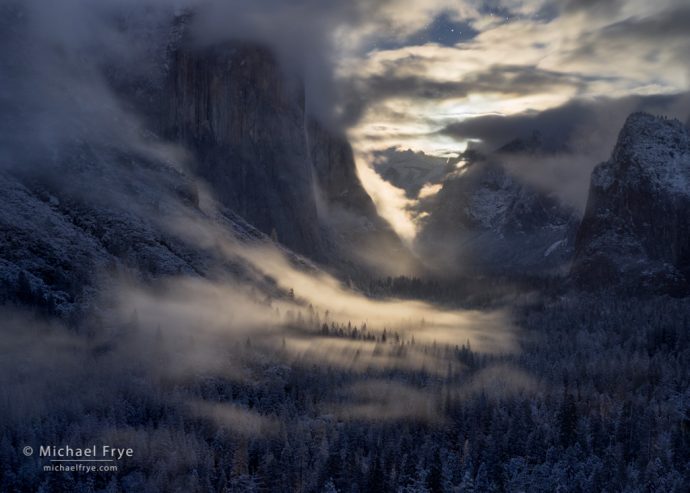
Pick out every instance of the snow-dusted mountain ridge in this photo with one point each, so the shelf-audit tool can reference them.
(636, 230)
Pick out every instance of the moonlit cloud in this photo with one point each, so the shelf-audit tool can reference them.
(509, 67)
(393, 73)
(518, 58)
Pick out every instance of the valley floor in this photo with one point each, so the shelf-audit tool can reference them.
(595, 399)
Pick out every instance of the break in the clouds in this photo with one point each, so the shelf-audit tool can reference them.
(573, 138)
(492, 71)
(517, 57)
(397, 71)
(427, 76)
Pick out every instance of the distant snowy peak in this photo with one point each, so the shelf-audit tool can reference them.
(410, 170)
(487, 221)
(654, 150)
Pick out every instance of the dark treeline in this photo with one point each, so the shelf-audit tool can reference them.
(606, 408)
(458, 291)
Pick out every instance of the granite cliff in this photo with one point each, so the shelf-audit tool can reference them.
(635, 233)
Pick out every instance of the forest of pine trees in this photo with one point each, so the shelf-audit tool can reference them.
(596, 399)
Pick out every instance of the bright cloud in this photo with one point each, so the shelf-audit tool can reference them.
(519, 58)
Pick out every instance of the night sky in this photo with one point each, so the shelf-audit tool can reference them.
(432, 64)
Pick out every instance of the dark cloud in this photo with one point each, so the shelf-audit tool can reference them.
(665, 26)
(591, 7)
(575, 137)
(510, 80)
(54, 87)
(56, 53)
(496, 8)
(562, 124)
(60, 61)
(300, 33)
(664, 32)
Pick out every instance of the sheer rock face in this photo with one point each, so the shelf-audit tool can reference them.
(486, 221)
(91, 208)
(363, 239)
(344, 203)
(243, 119)
(635, 233)
(336, 172)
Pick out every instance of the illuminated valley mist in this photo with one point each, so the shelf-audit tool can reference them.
(347, 246)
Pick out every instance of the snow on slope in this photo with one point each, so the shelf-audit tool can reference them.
(636, 230)
(97, 213)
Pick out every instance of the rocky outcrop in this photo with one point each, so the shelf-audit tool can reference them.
(242, 116)
(85, 209)
(336, 172)
(635, 234)
(243, 119)
(485, 221)
(360, 237)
